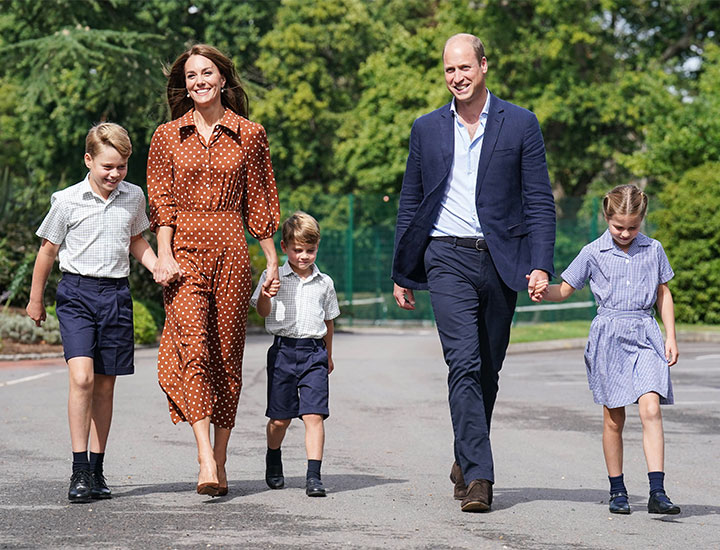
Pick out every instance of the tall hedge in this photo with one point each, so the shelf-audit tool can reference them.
(689, 228)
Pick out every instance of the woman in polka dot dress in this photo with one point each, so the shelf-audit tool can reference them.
(209, 178)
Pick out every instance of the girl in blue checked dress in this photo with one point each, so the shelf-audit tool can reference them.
(625, 358)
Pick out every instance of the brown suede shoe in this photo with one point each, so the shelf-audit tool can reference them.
(456, 476)
(479, 496)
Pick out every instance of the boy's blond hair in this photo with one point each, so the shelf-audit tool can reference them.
(110, 134)
(301, 227)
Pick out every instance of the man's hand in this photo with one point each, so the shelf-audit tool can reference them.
(537, 283)
(404, 297)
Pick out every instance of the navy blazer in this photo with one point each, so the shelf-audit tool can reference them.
(513, 194)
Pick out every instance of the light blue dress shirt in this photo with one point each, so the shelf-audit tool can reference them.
(458, 215)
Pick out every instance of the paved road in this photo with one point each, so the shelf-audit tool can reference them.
(387, 461)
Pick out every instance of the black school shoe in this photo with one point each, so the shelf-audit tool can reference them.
(81, 486)
(659, 503)
(100, 490)
(619, 503)
(314, 487)
(274, 476)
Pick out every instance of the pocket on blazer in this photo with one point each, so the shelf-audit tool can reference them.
(518, 230)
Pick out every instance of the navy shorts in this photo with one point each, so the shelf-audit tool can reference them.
(96, 320)
(297, 371)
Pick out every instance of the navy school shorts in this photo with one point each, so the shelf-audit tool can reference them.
(297, 370)
(96, 320)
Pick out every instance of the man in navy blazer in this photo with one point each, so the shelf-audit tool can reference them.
(475, 225)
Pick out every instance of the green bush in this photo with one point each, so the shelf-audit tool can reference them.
(689, 229)
(145, 327)
(20, 328)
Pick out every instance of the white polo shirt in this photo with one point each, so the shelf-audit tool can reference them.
(93, 233)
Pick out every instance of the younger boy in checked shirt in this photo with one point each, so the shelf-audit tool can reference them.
(92, 226)
(300, 315)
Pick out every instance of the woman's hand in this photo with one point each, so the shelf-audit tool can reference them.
(272, 281)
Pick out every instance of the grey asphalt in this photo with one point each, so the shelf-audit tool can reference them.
(388, 456)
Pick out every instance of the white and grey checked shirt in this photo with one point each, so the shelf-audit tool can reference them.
(94, 234)
(301, 307)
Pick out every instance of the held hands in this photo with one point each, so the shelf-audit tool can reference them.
(671, 352)
(537, 284)
(36, 312)
(166, 270)
(404, 297)
(272, 281)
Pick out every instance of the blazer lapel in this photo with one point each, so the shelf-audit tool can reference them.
(494, 124)
(447, 139)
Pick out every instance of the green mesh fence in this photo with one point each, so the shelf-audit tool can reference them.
(357, 247)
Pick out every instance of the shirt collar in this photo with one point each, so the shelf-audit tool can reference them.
(85, 188)
(230, 120)
(483, 114)
(286, 270)
(606, 241)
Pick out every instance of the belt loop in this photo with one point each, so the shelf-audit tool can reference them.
(455, 239)
(278, 341)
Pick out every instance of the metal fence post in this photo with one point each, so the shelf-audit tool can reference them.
(349, 256)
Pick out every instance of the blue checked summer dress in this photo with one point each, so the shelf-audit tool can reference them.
(625, 354)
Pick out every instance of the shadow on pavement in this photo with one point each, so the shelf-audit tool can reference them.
(507, 498)
(335, 483)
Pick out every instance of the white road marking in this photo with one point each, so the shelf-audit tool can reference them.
(29, 378)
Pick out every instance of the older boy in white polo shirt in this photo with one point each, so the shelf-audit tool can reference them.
(91, 227)
(300, 315)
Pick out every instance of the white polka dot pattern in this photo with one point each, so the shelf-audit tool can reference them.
(209, 192)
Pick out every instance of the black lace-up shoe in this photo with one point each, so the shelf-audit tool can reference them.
(274, 476)
(100, 490)
(314, 487)
(81, 485)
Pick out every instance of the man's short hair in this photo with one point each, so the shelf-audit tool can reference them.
(301, 227)
(475, 42)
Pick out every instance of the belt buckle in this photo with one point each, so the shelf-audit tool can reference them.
(478, 242)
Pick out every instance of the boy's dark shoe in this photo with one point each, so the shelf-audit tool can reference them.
(100, 490)
(479, 496)
(314, 487)
(456, 476)
(659, 503)
(619, 503)
(81, 485)
(274, 476)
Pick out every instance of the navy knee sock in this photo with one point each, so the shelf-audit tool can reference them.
(96, 462)
(657, 482)
(313, 470)
(617, 485)
(80, 461)
(273, 457)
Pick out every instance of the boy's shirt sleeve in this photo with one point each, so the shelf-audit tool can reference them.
(54, 227)
(578, 272)
(331, 307)
(256, 294)
(140, 221)
(665, 272)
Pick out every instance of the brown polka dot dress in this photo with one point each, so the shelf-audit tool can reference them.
(209, 192)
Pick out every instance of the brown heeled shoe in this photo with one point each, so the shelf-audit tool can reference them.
(210, 488)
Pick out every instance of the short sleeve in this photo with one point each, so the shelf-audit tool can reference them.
(140, 221)
(260, 204)
(665, 272)
(578, 272)
(55, 225)
(256, 295)
(163, 209)
(331, 307)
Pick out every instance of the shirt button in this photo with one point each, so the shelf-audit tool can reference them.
(627, 261)
(628, 282)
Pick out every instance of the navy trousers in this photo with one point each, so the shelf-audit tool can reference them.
(473, 310)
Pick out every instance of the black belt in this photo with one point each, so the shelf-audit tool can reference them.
(465, 242)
